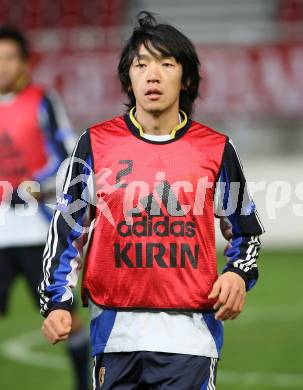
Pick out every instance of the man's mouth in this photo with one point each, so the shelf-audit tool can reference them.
(153, 93)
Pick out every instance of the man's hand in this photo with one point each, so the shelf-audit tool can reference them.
(57, 326)
(231, 291)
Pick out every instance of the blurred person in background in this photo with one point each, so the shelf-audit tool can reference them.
(35, 137)
(150, 271)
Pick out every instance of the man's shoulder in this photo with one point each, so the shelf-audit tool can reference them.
(109, 124)
(33, 90)
(208, 133)
(207, 129)
(49, 96)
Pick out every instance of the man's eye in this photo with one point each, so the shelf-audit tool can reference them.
(167, 64)
(140, 66)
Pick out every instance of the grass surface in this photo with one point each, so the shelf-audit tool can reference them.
(263, 348)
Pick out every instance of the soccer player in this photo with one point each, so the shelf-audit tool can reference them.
(137, 215)
(35, 137)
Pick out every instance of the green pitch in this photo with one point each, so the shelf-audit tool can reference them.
(263, 348)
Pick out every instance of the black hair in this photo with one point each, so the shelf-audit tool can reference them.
(15, 35)
(170, 42)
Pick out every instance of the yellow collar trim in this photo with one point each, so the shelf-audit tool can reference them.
(172, 133)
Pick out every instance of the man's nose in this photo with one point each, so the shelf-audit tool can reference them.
(153, 74)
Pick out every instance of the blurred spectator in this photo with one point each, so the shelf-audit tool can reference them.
(35, 137)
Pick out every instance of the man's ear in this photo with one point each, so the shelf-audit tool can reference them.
(185, 85)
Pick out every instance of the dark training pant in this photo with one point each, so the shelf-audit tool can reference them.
(144, 370)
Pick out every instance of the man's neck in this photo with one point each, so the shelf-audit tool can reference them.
(18, 85)
(6, 93)
(158, 124)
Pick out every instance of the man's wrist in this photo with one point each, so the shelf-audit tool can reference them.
(239, 272)
(59, 306)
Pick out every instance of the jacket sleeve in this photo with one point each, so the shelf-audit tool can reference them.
(69, 230)
(58, 134)
(234, 203)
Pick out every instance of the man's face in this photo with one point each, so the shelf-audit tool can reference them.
(155, 81)
(12, 65)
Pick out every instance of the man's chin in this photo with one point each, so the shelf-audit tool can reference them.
(154, 109)
(156, 112)
(5, 89)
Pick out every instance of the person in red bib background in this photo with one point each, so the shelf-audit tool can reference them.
(35, 138)
(136, 214)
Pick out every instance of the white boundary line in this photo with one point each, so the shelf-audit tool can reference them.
(21, 347)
